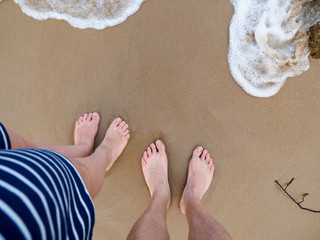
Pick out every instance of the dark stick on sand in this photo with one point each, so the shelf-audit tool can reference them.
(284, 189)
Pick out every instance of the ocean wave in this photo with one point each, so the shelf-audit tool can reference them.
(268, 42)
(97, 14)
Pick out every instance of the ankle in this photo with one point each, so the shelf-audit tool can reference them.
(161, 194)
(84, 148)
(161, 191)
(107, 149)
(191, 202)
(188, 200)
(192, 192)
(192, 197)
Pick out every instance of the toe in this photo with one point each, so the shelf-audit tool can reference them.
(95, 117)
(197, 151)
(89, 117)
(116, 122)
(85, 116)
(153, 147)
(145, 155)
(211, 169)
(204, 153)
(127, 136)
(149, 152)
(143, 161)
(80, 119)
(121, 125)
(126, 132)
(125, 127)
(160, 146)
(208, 157)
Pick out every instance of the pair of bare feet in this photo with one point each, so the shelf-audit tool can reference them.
(114, 142)
(155, 170)
(154, 161)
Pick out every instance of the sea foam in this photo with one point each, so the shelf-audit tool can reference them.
(97, 14)
(268, 43)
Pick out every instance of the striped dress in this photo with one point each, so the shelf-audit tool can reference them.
(42, 195)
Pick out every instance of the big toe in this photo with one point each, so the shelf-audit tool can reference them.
(95, 117)
(115, 123)
(197, 151)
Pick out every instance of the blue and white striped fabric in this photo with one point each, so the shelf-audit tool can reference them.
(4, 138)
(42, 195)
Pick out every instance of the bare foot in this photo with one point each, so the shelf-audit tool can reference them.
(155, 170)
(85, 131)
(116, 139)
(200, 175)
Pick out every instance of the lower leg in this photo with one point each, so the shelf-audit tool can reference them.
(152, 223)
(201, 224)
(91, 168)
(85, 130)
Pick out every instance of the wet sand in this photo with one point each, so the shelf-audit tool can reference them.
(165, 72)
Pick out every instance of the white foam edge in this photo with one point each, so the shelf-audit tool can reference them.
(261, 92)
(82, 23)
(251, 89)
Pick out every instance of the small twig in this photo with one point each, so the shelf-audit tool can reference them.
(298, 203)
(289, 183)
(303, 196)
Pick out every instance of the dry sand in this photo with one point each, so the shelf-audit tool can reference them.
(165, 71)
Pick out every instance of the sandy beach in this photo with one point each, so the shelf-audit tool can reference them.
(165, 71)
